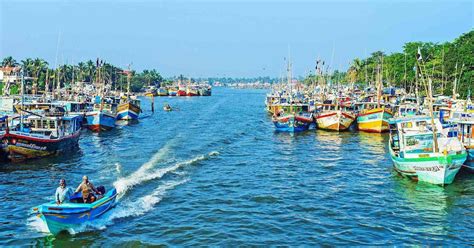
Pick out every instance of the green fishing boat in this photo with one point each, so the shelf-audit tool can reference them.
(421, 151)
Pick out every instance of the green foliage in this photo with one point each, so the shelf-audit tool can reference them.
(39, 73)
(439, 63)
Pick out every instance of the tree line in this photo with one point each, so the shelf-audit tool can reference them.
(447, 64)
(41, 75)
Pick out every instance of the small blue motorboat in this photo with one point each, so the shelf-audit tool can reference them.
(72, 213)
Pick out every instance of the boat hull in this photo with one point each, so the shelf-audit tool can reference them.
(23, 146)
(181, 93)
(100, 121)
(292, 123)
(335, 120)
(440, 170)
(469, 163)
(173, 93)
(128, 112)
(374, 121)
(71, 215)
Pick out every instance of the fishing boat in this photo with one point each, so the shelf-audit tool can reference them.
(101, 118)
(151, 91)
(192, 91)
(3, 145)
(465, 134)
(162, 91)
(40, 136)
(129, 107)
(173, 91)
(103, 115)
(181, 90)
(293, 122)
(373, 117)
(205, 90)
(128, 110)
(419, 150)
(167, 108)
(73, 213)
(334, 117)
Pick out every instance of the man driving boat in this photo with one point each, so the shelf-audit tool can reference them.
(63, 193)
(87, 188)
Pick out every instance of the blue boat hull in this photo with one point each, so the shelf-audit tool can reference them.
(291, 126)
(71, 215)
(99, 121)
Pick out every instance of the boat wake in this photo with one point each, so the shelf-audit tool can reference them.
(146, 173)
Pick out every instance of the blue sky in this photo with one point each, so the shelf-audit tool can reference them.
(223, 38)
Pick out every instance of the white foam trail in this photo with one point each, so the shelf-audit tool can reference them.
(145, 203)
(144, 173)
(124, 183)
(134, 208)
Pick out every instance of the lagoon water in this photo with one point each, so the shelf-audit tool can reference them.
(215, 173)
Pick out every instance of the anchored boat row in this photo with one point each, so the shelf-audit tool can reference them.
(431, 138)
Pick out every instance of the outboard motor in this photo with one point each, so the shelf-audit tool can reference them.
(101, 189)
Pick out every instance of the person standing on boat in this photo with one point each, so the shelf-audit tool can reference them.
(63, 193)
(87, 188)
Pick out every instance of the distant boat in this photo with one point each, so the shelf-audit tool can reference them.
(205, 90)
(192, 91)
(73, 212)
(167, 108)
(173, 91)
(418, 155)
(181, 90)
(41, 136)
(162, 92)
(151, 91)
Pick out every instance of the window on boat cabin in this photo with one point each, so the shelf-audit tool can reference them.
(419, 143)
(407, 125)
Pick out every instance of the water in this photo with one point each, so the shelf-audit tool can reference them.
(215, 173)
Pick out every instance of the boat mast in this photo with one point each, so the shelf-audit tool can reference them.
(378, 78)
(289, 81)
(429, 92)
(129, 76)
(22, 96)
(455, 81)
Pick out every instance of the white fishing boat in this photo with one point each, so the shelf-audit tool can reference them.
(420, 150)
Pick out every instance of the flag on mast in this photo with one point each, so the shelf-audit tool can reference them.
(418, 55)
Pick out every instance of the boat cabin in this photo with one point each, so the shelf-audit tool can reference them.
(413, 135)
(52, 127)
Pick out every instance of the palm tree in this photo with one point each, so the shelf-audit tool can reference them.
(9, 61)
(90, 70)
(355, 69)
(82, 68)
(39, 67)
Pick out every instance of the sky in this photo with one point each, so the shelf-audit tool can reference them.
(223, 38)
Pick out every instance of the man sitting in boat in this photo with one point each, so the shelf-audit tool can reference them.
(63, 193)
(87, 188)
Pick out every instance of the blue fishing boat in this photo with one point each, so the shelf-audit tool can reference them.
(102, 118)
(72, 213)
(293, 122)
